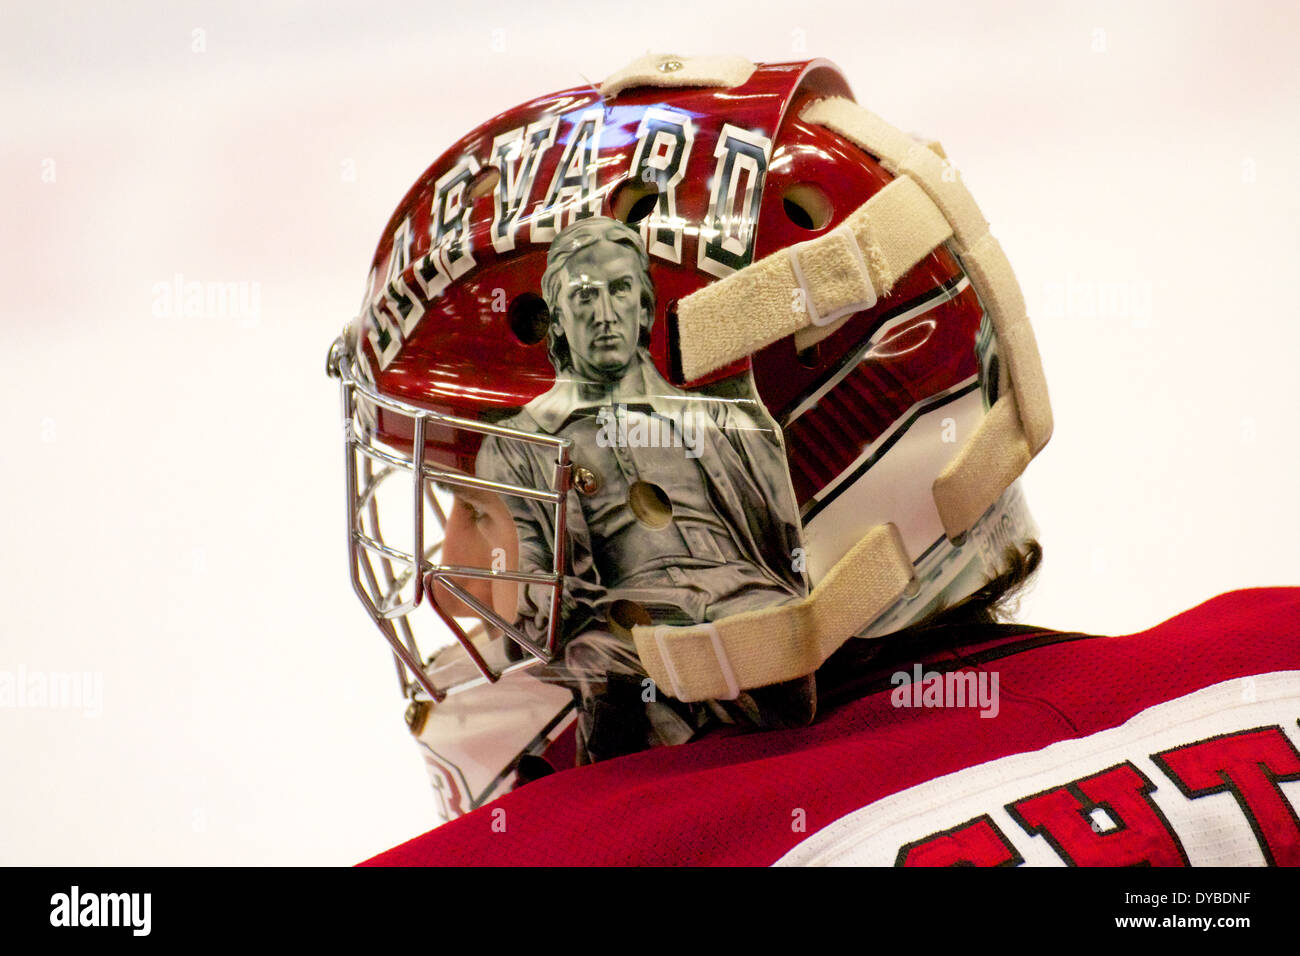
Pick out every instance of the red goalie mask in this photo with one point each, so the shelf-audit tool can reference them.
(661, 391)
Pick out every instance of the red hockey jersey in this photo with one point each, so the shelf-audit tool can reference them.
(1170, 747)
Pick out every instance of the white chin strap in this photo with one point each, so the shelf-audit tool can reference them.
(838, 274)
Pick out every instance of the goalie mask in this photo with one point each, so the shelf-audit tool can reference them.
(660, 392)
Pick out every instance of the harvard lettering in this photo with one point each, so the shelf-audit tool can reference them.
(729, 232)
(580, 182)
(516, 154)
(663, 147)
(573, 187)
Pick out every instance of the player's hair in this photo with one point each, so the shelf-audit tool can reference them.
(572, 240)
(998, 600)
(855, 668)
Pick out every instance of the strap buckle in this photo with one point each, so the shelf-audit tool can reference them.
(715, 640)
(854, 258)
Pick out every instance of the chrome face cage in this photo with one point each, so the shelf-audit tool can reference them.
(381, 594)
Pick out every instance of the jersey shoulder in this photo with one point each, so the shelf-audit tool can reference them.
(996, 746)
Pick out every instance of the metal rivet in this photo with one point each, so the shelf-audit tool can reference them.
(416, 714)
(585, 480)
(670, 66)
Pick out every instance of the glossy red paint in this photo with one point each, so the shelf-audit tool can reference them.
(463, 357)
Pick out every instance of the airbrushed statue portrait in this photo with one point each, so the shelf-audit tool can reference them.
(681, 510)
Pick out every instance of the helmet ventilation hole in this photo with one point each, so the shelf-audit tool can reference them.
(807, 206)
(529, 318)
(633, 200)
(625, 615)
(533, 767)
(484, 182)
(650, 504)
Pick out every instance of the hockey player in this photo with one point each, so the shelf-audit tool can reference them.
(720, 388)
